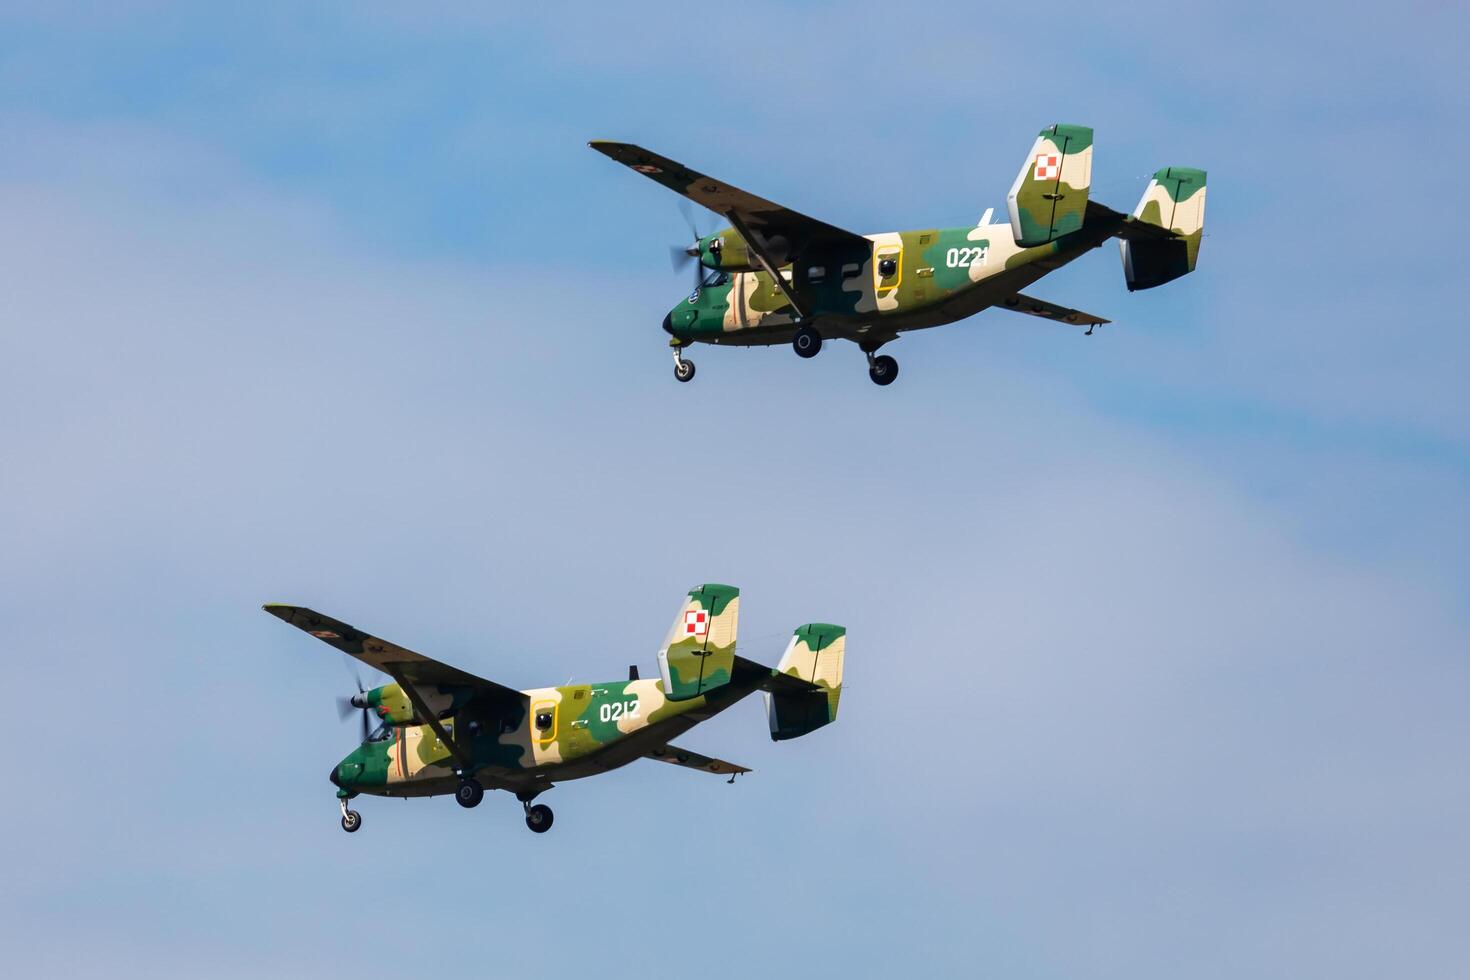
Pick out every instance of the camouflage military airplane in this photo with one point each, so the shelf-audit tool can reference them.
(776, 276)
(447, 731)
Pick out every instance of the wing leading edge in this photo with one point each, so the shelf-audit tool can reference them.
(766, 218)
(397, 662)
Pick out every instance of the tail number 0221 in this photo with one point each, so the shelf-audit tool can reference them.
(613, 710)
(964, 258)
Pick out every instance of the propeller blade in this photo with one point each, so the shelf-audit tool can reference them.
(687, 210)
(364, 724)
(679, 257)
(345, 707)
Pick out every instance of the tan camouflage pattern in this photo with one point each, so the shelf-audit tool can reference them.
(1174, 200)
(814, 656)
(699, 651)
(1049, 198)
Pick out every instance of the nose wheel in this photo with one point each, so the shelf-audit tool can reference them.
(351, 819)
(683, 369)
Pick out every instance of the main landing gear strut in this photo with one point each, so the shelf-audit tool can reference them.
(538, 817)
(882, 368)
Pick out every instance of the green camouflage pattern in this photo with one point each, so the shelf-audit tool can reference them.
(699, 651)
(1049, 198)
(392, 705)
(815, 657)
(871, 288)
(1175, 201)
(525, 741)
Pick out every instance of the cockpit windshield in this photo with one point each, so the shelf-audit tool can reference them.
(382, 733)
(716, 278)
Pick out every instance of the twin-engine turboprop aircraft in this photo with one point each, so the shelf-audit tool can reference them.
(446, 731)
(776, 276)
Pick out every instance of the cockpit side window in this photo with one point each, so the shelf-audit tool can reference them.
(716, 278)
(382, 733)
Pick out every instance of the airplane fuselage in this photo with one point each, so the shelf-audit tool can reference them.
(560, 733)
(899, 281)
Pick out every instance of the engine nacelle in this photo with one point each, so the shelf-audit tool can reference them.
(393, 706)
(727, 251)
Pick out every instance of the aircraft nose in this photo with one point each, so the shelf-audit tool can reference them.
(668, 323)
(333, 776)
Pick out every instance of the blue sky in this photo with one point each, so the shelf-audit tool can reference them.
(1157, 659)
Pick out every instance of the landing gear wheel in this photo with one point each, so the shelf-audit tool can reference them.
(807, 342)
(469, 794)
(684, 370)
(538, 818)
(882, 369)
(351, 820)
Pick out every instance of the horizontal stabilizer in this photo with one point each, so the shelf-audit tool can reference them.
(676, 756)
(1049, 311)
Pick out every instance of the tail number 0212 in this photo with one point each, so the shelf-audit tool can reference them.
(613, 710)
(964, 258)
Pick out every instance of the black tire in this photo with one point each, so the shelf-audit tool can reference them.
(684, 370)
(351, 821)
(469, 793)
(538, 818)
(883, 370)
(807, 342)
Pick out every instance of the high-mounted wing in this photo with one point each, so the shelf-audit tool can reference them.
(674, 755)
(774, 234)
(1021, 303)
(756, 213)
(397, 662)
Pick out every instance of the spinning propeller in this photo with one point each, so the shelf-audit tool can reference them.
(345, 706)
(682, 255)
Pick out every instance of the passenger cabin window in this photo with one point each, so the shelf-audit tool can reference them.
(543, 720)
(887, 267)
(851, 270)
(816, 273)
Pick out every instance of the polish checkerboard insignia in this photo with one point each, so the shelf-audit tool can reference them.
(1048, 166)
(696, 622)
(325, 635)
(647, 168)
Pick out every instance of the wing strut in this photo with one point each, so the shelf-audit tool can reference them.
(422, 709)
(758, 249)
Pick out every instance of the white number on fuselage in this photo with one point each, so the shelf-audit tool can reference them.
(614, 710)
(964, 258)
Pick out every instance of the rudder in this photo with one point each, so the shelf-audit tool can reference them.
(699, 652)
(813, 660)
(1174, 200)
(1049, 198)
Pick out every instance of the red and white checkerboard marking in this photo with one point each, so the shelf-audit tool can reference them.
(696, 622)
(1048, 166)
